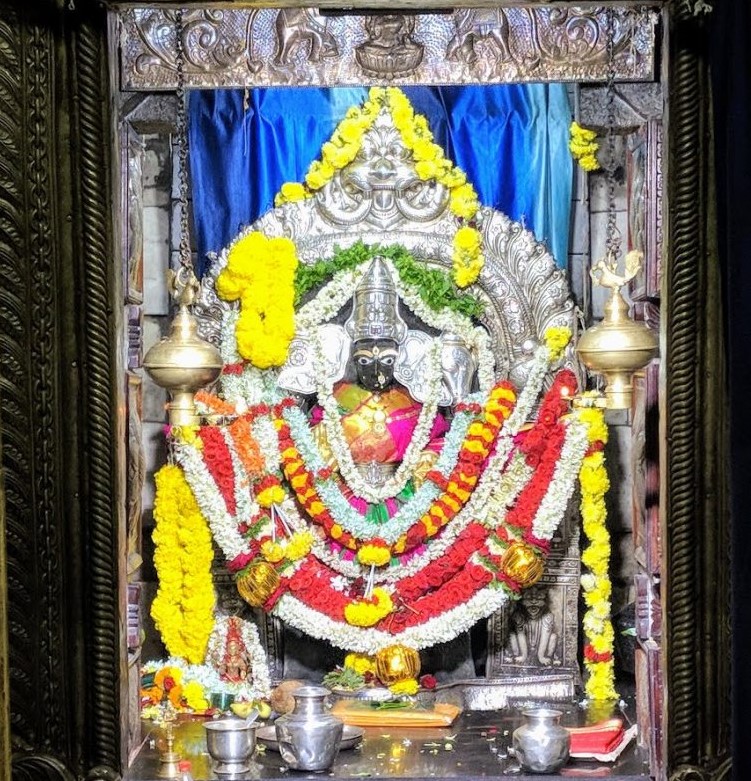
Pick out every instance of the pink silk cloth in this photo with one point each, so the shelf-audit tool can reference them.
(379, 426)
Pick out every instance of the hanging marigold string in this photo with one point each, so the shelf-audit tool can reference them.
(183, 609)
(596, 585)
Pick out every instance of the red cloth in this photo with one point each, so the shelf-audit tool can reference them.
(599, 738)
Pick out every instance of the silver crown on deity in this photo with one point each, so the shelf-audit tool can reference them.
(375, 308)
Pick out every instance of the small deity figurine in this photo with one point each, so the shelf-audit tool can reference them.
(533, 637)
(235, 664)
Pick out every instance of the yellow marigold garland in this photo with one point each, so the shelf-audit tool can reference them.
(598, 627)
(430, 163)
(183, 609)
(583, 146)
(260, 272)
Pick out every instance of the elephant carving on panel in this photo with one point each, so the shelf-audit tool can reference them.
(477, 24)
(303, 26)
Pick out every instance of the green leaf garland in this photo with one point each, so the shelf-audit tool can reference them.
(435, 286)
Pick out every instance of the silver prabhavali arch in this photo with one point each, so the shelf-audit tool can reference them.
(379, 199)
(522, 290)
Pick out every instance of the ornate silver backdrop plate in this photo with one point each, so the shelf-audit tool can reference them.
(350, 737)
(307, 46)
(520, 286)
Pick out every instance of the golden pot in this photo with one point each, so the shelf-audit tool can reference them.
(523, 563)
(257, 584)
(397, 663)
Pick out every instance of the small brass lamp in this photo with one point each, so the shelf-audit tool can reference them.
(169, 759)
(183, 362)
(617, 347)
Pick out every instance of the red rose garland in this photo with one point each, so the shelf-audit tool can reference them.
(218, 461)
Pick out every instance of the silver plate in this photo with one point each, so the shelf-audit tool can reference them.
(350, 737)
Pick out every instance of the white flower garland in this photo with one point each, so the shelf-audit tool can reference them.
(268, 443)
(440, 629)
(329, 300)
(554, 503)
(260, 685)
(338, 443)
(343, 512)
(516, 475)
(228, 339)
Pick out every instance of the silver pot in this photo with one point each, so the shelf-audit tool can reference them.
(541, 744)
(230, 742)
(309, 737)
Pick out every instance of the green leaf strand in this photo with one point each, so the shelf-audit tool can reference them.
(434, 286)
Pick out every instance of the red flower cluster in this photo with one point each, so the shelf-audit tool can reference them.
(455, 592)
(437, 479)
(471, 406)
(527, 503)
(554, 405)
(442, 569)
(218, 461)
(592, 656)
(311, 584)
(243, 559)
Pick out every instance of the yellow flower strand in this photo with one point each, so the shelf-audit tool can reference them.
(183, 609)
(583, 146)
(430, 163)
(260, 272)
(596, 585)
(556, 339)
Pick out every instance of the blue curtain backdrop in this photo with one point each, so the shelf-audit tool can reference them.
(511, 140)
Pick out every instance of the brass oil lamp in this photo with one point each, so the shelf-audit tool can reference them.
(183, 362)
(617, 347)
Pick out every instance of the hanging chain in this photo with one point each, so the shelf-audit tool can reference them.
(613, 237)
(182, 143)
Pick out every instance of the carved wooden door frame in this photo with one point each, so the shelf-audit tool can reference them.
(62, 426)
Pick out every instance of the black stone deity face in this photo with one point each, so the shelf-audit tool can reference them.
(374, 361)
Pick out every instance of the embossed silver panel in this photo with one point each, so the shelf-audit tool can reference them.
(239, 47)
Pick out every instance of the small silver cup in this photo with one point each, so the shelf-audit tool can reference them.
(231, 742)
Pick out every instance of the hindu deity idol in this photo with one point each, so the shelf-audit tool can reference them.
(379, 415)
